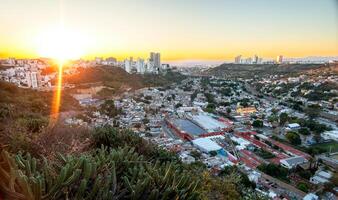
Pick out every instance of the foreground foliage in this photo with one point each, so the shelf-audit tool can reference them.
(104, 174)
(118, 165)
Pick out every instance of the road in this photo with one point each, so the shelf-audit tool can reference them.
(300, 194)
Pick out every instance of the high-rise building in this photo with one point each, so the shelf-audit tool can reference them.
(140, 66)
(156, 59)
(248, 60)
(127, 65)
(238, 59)
(255, 59)
(279, 59)
(33, 79)
(150, 66)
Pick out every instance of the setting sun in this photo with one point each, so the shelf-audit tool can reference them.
(61, 44)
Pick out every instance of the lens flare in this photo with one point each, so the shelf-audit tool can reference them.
(57, 95)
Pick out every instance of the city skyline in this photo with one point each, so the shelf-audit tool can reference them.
(180, 31)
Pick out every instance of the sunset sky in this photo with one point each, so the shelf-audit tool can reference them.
(179, 29)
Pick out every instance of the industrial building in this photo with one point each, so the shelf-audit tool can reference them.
(198, 125)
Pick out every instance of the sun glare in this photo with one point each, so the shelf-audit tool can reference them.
(61, 44)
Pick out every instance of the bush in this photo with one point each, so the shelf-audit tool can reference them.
(303, 187)
(283, 118)
(33, 122)
(304, 131)
(305, 174)
(264, 154)
(257, 123)
(274, 170)
(293, 138)
(108, 108)
(213, 153)
(115, 138)
(103, 174)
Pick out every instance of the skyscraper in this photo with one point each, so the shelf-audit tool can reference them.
(156, 59)
(140, 66)
(238, 59)
(127, 65)
(255, 59)
(279, 59)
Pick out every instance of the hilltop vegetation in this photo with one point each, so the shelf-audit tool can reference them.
(118, 80)
(24, 113)
(116, 164)
(250, 71)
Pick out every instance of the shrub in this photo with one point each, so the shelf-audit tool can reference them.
(103, 174)
(257, 123)
(304, 131)
(293, 138)
(303, 187)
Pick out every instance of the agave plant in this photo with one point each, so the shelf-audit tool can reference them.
(103, 174)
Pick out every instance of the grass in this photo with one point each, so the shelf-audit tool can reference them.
(327, 146)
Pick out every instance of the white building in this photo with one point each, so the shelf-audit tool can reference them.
(127, 65)
(206, 145)
(156, 58)
(311, 196)
(321, 177)
(140, 67)
(330, 135)
(150, 67)
(292, 162)
(33, 79)
(293, 126)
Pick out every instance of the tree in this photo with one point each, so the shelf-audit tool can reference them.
(178, 105)
(293, 138)
(257, 123)
(272, 118)
(304, 131)
(274, 170)
(195, 154)
(274, 111)
(210, 108)
(213, 153)
(108, 108)
(305, 174)
(303, 187)
(312, 111)
(283, 118)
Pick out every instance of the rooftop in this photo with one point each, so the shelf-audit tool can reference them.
(206, 144)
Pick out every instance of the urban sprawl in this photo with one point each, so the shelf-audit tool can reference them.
(279, 130)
